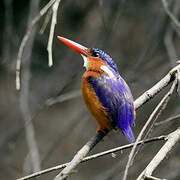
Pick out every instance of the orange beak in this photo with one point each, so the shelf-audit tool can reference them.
(77, 47)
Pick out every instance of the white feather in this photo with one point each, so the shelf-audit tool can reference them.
(85, 60)
(108, 71)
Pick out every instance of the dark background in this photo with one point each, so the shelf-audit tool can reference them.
(141, 39)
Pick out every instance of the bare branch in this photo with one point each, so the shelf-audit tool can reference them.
(155, 114)
(80, 155)
(8, 32)
(95, 156)
(152, 178)
(168, 39)
(173, 18)
(51, 33)
(173, 138)
(145, 97)
(25, 39)
(63, 97)
(24, 95)
(46, 21)
(167, 120)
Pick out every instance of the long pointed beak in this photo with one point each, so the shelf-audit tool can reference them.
(77, 47)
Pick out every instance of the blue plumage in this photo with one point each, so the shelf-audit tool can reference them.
(116, 98)
(105, 57)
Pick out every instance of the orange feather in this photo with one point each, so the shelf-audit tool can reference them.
(93, 104)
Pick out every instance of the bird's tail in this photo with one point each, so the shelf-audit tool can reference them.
(128, 134)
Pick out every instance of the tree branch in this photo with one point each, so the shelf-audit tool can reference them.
(168, 38)
(95, 156)
(25, 39)
(155, 114)
(34, 163)
(152, 178)
(63, 97)
(149, 94)
(172, 140)
(167, 120)
(46, 21)
(80, 155)
(173, 18)
(51, 33)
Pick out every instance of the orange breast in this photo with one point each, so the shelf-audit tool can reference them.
(93, 104)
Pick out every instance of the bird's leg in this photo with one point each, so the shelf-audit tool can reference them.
(134, 114)
(103, 130)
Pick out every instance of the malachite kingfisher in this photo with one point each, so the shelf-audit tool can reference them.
(105, 92)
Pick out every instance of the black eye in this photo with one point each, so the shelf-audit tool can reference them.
(95, 54)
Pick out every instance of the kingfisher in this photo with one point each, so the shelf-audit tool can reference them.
(105, 92)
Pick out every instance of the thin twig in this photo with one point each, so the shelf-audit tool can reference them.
(178, 79)
(51, 33)
(168, 41)
(80, 155)
(167, 120)
(95, 156)
(155, 114)
(149, 94)
(24, 95)
(173, 138)
(46, 21)
(8, 32)
(168, 38)
(24, 41)
(173, 18)
(63, 97)
(152, 178)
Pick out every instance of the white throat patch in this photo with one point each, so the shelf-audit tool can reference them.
(85, 60)
(108, 71)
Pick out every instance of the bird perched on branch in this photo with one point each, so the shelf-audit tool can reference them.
(105, 92)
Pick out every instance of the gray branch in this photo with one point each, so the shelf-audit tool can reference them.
(173, 138)
(173, 18)
(156, 88)
(154, 115)
(25, 39)
(51, 33)
(24, 95)
(94, 156)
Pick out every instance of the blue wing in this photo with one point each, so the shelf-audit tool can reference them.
(116, 97)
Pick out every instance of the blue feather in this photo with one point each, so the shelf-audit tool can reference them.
(115, 96)
(105, 57)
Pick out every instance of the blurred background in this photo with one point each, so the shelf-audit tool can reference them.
(46, 122)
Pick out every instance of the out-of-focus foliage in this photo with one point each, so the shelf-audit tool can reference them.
(133, 33)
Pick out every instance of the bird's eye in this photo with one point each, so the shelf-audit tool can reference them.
(95, 54)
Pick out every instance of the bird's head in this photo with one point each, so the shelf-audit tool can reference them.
(94, 59)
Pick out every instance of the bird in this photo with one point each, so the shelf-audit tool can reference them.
(106, 94)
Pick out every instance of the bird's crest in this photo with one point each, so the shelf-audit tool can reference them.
(105, 57)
